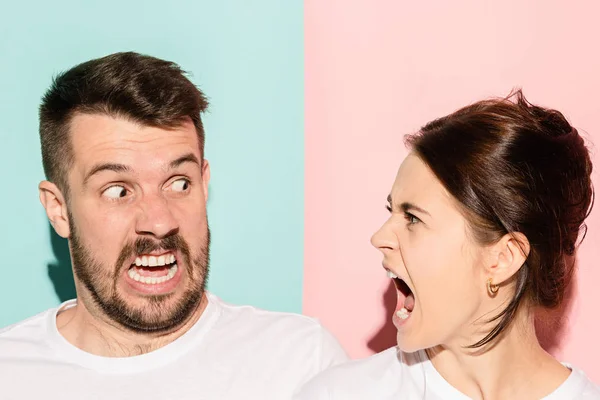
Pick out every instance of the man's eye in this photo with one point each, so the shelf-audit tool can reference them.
(115, 192)
(180, 185)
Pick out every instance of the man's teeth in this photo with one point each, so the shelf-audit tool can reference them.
(402, 313)
(153, 261)
(391, 275)
(152, 280)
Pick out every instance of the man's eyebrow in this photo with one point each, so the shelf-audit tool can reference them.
(190, 157)
(406, 206)
(106, 167)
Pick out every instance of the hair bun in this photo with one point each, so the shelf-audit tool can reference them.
(551, 122)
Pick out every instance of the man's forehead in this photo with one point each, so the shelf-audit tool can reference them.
(96, 137)
(98, 125)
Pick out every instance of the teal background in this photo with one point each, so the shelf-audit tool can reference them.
(247, 56)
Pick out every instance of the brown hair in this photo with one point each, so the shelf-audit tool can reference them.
(515, 167)
(141, 88)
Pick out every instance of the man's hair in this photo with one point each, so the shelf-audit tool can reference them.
(139, 88)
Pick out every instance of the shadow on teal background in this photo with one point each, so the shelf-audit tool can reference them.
(60, 271)
(246, 56)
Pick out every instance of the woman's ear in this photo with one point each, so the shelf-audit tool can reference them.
(507, 256)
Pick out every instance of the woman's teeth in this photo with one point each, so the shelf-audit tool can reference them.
(401, 286)
(402, 313)
(153, 261)
(152, 280)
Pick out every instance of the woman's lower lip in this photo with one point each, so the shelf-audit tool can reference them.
(399, 321)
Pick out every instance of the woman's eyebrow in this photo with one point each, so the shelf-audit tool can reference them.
(407, 206)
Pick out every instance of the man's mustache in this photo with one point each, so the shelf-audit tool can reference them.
(145, 245)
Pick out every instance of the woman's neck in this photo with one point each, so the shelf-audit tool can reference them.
(515, 367)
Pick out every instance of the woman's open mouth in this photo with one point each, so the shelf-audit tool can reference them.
(406, 299)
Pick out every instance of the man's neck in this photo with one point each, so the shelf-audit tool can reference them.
(515, 367)
(102, 337)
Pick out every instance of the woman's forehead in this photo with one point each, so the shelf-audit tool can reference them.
(416, 183)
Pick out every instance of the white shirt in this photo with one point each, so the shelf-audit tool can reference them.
(232, 352)
(396, 375)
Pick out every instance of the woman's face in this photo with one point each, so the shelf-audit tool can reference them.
(441, 282)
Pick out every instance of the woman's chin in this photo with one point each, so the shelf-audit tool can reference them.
(413, 343)
(408, 346)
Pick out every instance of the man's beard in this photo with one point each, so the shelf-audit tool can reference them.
(101, 281)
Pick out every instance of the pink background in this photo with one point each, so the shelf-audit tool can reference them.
(376, 70)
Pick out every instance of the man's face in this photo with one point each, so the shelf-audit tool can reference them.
(137, 215)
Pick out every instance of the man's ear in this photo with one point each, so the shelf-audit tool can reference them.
(205, 177)
(56, 208)
(507, 256)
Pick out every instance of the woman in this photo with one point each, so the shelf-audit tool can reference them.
(486, 214)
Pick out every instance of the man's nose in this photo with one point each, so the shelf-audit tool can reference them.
(156, 218)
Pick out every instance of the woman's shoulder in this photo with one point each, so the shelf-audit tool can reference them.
(577, 386)
(377, 374)
(591, 392)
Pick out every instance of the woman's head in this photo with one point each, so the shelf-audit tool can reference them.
(497, 191)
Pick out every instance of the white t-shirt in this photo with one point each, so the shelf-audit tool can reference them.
(232, 352)
(393, 375)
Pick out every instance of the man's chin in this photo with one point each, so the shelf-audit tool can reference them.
(153, 313)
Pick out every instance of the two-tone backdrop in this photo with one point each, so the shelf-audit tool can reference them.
(309, 104)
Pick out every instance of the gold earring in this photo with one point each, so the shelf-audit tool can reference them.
(492, 289)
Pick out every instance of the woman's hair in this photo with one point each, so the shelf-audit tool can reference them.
(515, 167)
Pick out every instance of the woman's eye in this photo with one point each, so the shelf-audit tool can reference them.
(115, 192)
(411, 219)
(180, 185)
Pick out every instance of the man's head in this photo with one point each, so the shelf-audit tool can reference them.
(142, 89)
(122, 147)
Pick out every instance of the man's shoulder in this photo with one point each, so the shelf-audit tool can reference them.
(298, 336)
(370, 367)
(354, 379)
(33, 324)
(28, 334)
(261, 318)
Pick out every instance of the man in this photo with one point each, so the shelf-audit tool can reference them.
(123, 152)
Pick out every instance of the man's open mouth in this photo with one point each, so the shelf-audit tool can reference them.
(153, 269)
